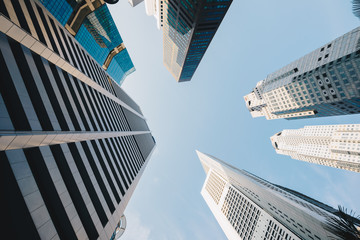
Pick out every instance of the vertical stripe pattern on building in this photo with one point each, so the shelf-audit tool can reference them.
(73, 144)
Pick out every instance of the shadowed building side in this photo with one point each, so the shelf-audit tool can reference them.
(189, 27)
(73, 144)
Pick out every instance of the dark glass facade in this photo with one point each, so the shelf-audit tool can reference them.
(98, 35)
(190, 25)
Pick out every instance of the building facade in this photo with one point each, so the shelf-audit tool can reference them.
(325, 82)
(249, 207)
(133, 3)
(188, 28)
(330, 145)
(155, 8)
(73, 144)
(98, 35)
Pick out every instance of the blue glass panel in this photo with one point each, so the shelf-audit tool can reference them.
(98, 37)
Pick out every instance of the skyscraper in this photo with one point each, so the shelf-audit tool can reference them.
(249, 207)
(73, 144)
(97, 33)
(330, 145)
(325, 82)
(188, 28)
(155, 8)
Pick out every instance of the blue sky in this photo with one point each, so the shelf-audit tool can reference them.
(209, 114)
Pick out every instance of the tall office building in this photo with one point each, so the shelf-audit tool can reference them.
(325, 82)
(188, 28)
(96, 32)
(330, 145)
(155, 8)
(249, 207)
(73, 144)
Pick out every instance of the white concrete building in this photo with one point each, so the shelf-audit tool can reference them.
(325, 82)
(152, 8)
(249, 207)
(330, 145)
(155, 8)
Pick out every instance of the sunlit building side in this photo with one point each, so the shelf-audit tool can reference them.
(98, 34)
(249, 207)
(330, 145)
(325, 82)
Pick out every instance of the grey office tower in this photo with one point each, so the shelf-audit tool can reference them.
(325, 82)
(73, 144)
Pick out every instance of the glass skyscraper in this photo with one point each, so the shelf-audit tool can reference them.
(73, 144)
(249, 207)
(325, 82)
(188, 28)
(98, 35)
